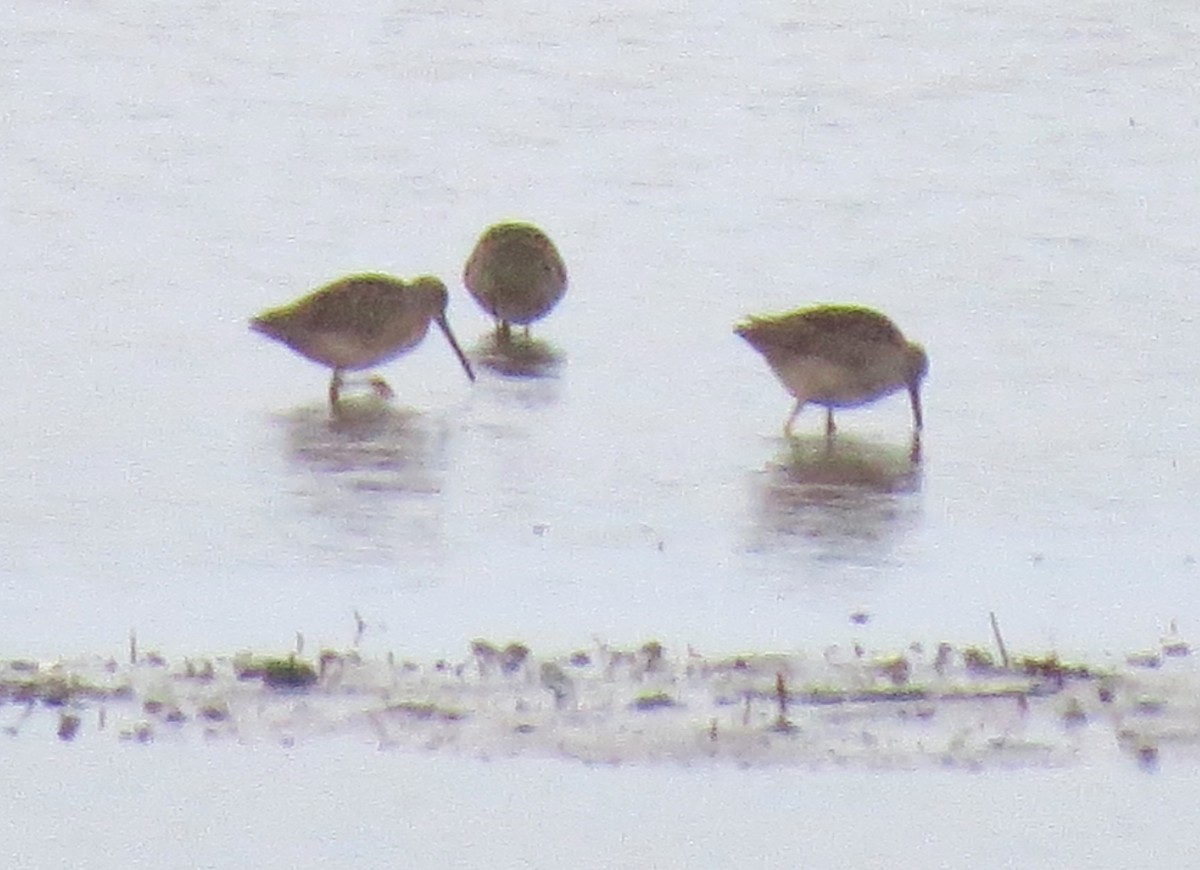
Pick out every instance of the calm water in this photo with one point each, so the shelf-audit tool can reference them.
(1017, 187)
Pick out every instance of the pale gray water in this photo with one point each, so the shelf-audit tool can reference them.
(1016, 183)
(1017, 187)
(418, 811)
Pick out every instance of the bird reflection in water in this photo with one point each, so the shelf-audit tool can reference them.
(518, 356)
(847, 497)
(369, 471)
(396, 447)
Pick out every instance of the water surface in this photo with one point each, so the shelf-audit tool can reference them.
(1016, 186)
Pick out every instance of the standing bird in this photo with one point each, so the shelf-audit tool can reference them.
(516, 275)
(839, 356)
(360, 321)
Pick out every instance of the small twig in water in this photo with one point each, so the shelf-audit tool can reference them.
(133, 646)
(781, 696)
(999, 639)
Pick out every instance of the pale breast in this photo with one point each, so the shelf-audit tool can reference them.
(814, 379)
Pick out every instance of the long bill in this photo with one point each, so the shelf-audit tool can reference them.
(914, 395)
(462, 357)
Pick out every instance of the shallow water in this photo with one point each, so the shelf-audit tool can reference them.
(1016, 186)
(418, 809)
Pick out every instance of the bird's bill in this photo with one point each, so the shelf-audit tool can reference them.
(462, 357)
(914, 394)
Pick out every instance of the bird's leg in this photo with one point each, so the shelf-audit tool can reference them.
(335, 389)
(914, 453)
(526, 332)
(787, 427)
(503, 333)
(830, 428)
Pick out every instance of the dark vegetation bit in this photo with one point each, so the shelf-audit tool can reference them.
(1051, 667)
(325, 660)
(945, 655)
(1176, 648)
(277, 673)
(896, 669)
(1144, 750)
(329, 658)
(1148, 660)
(860, 617)
(653, 701)
(513, 657)
(484, 650)
(68, 726)
(1149, 706)
(214, 711)
(1073, 715)
(288, 673)
(580, 659)
(782, 723)
(652, 652)
(978, 661)
(168, 713)
(509, 659)
(555, 679)
(425, 711)
(54, 690)
(825, 695)
(1147, 756)
(999, 640)
(203, 671)
(142, 732)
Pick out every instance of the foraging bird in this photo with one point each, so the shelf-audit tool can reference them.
(515, 274)
(360, 321)
(839, 356)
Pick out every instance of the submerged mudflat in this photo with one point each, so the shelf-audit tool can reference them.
(844, 706)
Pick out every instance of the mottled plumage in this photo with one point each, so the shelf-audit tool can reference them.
(515, 274)
(360, 321)
(838, 356)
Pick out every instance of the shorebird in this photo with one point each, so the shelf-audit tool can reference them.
(516, 275)
(360, 321)
(839, 356)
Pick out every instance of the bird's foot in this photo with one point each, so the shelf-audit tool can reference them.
(381, 388)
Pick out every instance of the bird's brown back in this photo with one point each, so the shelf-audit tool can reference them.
(842, 334)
